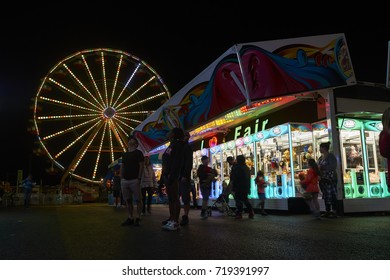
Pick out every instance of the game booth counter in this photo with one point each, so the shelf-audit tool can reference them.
(274, 102)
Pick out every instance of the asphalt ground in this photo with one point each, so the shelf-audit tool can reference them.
(94, 232)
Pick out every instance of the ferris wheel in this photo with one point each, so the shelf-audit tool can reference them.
(87, 106)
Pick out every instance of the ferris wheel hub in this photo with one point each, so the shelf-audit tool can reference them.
(109, 113)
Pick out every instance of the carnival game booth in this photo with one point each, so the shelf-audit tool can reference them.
(363, 170)
(281, 152)
(248, 81)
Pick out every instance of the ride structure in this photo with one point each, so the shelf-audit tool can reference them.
(87, 106)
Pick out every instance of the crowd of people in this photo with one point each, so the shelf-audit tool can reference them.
(138, 181)
(135, 182)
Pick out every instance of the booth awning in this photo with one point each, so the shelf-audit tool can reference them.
(246, 75)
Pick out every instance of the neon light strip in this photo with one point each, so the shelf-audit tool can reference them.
(127, 83)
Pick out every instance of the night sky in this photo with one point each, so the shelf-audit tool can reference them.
(179, 42)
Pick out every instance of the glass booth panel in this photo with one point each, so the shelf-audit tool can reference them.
(365, 169)
(352, 162)
(273, 156)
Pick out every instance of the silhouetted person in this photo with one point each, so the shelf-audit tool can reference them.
(148, 183)
(185, 180)
(172, 164)
(27, 185)
(240, 176)
(131, 173)
(384, 141)
(327, 163)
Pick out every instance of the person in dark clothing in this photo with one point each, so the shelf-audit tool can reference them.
(116, 182)
(230, 160)
(229, 187)
(131, 173)
(28, 186)
(185, 179)
(240, 177)
(193, 194)
(172, 165)
(206, 175)
(327, 163)
(148, 183)
(384, 141)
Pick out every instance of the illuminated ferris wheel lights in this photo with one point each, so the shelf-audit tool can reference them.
(69, 129)
(87, 106)
(111, 144)
(143, 101)
(126, 85)
(100, 150)
(75, 141)
(116, 79)
(129, 119)
(124, 133)
(134, 113)
(91, 77)
(85, 88)
(66, 104)
(104, 77)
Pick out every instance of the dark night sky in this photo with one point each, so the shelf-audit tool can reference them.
(178, 42)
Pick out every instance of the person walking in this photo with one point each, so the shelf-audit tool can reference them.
(310, 185)
(261, 185)
(131, 173)
(327, 164)
(231, 162)
(28, 186)
(193, 194)
(206, 175)
(240, 177)
(185, 179)
(172, 165)
(229, 188)
(384, 141)
(148, 183)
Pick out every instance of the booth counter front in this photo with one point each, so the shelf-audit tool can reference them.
(282, 152)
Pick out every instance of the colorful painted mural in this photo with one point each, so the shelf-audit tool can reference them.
(251, 72)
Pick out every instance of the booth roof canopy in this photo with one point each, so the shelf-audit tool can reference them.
(245, 76)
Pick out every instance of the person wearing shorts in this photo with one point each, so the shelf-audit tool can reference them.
(206, 175)
(131, 173)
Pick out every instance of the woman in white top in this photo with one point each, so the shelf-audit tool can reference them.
(148, 183)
